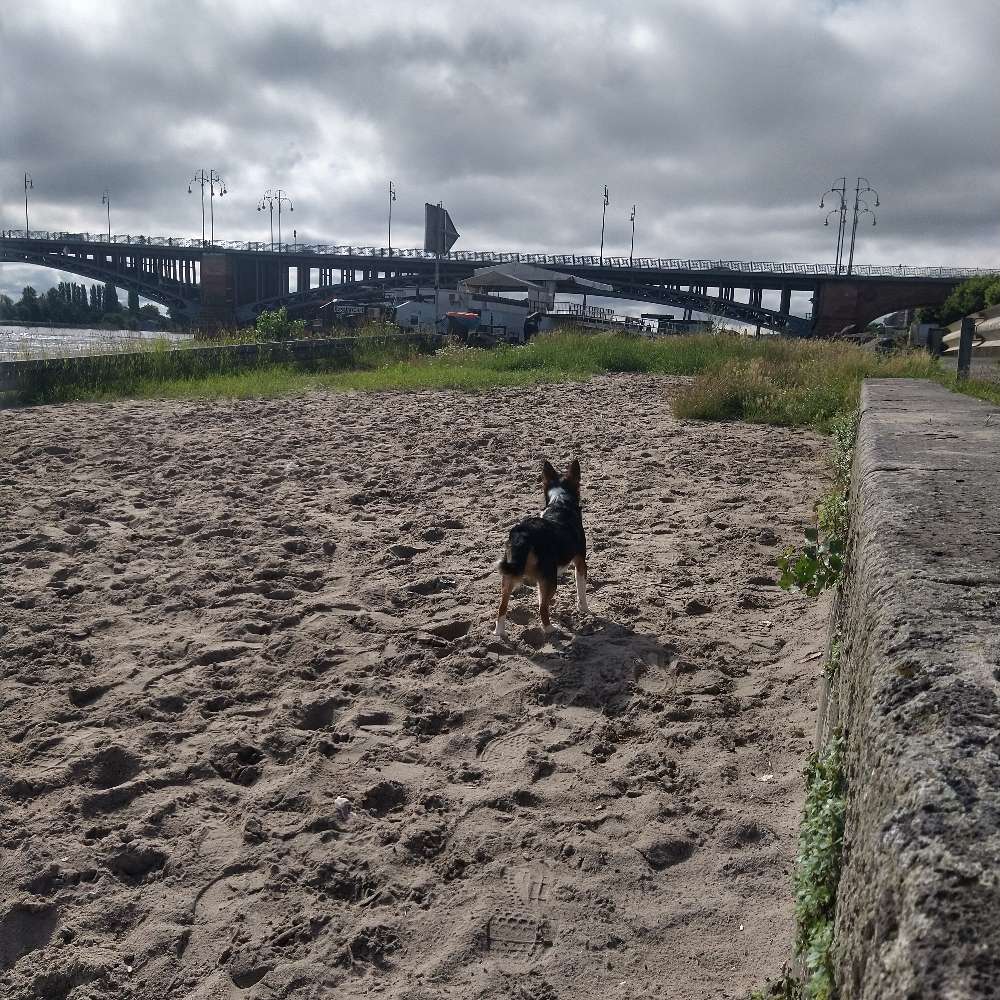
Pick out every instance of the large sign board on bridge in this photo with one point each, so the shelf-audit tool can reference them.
(440, 233)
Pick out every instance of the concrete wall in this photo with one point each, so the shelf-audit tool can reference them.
(192, 360)
(918, 911)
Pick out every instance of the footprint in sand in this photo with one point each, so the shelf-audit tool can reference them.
(135, 862)
(512, 748)
(521, 928)
(313, 715)
(238, 762)
(109, 767)
(661, 851)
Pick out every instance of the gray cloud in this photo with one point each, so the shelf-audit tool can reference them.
(722, 121)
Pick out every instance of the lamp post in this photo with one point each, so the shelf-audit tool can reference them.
(840, 190)
(212, 179)
(28, 185)
(280, 197)
(106, 200)
(268, 202)
(604, 215)
(861, 207)
(270, 199)
(392, 198)
(631, 249)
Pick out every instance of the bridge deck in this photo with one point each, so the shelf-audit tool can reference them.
(294, 252)
(232, 281)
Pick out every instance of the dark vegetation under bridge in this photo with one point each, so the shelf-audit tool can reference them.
(226, 283)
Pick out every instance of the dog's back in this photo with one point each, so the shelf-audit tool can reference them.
(538, 547)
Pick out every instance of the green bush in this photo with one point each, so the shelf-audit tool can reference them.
(817, 566)
(275, 325)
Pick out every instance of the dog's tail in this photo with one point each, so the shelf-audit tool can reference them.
(515, 556)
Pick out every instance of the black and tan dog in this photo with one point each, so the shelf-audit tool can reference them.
(538, 547)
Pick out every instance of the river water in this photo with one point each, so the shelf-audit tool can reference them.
(19, 343)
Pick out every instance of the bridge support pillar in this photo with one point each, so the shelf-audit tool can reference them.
(786, 301)
(217, 291)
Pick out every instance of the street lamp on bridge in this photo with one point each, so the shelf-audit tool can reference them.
(392, 198)
(604, 216)
(212, 179)
(861, 207)
(270, 199)
(839, 190)
(106, 200)
(631, 249)
(28, 185)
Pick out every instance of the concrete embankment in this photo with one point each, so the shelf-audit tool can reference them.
(916, 693)
(187, 361)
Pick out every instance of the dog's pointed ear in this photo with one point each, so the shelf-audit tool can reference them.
(574, 472)
(549, 474)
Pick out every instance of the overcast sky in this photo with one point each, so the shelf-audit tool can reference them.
(723, 121)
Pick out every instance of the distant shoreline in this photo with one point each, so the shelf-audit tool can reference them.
(21, 341)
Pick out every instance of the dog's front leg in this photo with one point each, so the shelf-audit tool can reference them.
(580, 565)
(506, 586)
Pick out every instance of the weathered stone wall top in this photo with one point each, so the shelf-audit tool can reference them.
(918, 911)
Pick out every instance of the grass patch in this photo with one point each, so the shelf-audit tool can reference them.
(379, 362)
(820, 562)
(553, 358)
(767, 380)
(817, 871)
(794, 383)
(980, 389)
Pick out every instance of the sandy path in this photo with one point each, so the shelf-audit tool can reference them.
(218, 618)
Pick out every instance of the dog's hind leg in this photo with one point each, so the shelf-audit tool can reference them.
(506, 586)
(580, 565)
(546, 591)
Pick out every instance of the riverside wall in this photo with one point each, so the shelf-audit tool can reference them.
(917, 698)
(192, 360)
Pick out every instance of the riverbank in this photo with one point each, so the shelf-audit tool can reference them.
(767, 380)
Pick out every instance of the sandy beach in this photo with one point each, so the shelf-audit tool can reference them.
(258, 740)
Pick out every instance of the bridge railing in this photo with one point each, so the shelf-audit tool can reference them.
(384, 255)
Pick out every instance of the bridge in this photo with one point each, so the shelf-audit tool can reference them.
(226, 283)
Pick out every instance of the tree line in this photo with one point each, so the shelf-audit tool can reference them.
(971, 296)
(69, 302)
